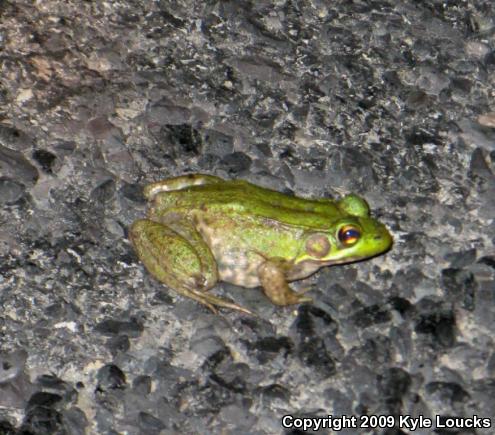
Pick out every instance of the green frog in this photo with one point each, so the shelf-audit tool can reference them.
(202, 229)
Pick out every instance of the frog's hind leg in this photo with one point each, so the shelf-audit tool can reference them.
(182, 261)
(173, 258)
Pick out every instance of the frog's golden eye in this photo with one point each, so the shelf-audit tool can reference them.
(349, 235)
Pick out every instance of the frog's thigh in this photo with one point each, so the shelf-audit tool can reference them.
(272, 278)
(173, 259)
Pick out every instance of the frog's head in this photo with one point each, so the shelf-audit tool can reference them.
(353, 236)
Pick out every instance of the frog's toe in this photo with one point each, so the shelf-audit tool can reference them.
(212, 301)
(305, 289)
(302, 299)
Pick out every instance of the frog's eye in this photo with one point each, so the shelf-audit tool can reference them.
(349, 235)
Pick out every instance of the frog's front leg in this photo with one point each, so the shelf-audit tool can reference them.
(183, 261)
(272, 275)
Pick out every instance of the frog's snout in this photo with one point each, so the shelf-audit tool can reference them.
(386, 239)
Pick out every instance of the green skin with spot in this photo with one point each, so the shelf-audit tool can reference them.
(201, 229)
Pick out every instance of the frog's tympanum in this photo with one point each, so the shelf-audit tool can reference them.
(202, 229)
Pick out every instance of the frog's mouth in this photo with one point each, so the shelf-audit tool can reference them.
(309, 266)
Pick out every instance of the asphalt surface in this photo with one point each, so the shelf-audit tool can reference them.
(392, 100)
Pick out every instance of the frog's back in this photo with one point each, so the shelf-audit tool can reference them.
(239, 197)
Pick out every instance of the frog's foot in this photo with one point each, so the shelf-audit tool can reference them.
(272, 278)
(212, 301)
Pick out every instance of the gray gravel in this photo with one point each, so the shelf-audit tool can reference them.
(393, 100)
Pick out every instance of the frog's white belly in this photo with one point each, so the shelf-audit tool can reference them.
(237, 268)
